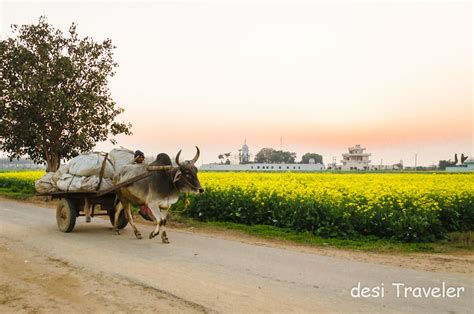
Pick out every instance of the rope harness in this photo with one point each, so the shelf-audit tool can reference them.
(187, 202)
(189, 183)
(176, 179)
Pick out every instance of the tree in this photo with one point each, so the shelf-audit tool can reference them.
(269, 155)
(445, 163)
(306, 157)
(279, 156)
(55, 103)
(264, 155)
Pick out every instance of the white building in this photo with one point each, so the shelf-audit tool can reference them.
(245, 165)
(356, 159)
(468, 166)
(386, 167)
(264, 167)
(244, 155)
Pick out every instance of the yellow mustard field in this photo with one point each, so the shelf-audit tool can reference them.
(19, 183)
(27, 176)
(404, 206)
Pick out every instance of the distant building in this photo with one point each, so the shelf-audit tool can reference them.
(355, 159)
(468, 166)
(246, 165)
(264, 167)
(386, 167)
(358, 159)
(244, 155)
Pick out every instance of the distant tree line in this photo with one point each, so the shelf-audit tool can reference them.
(448, 163)
(445, 163)
(225, 157)
(6, 163)
(270, 155)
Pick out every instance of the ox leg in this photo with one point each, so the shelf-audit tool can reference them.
(128, 212)
(164, 218)
(118, 210)
(87, 210)
(158, 221)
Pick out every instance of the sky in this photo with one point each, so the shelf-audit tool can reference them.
(302, 76)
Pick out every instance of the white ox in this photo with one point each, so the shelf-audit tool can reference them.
(156, 193)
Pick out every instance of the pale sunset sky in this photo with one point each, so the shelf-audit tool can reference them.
(395, 77)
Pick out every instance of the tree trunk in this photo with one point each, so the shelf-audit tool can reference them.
(52, 162)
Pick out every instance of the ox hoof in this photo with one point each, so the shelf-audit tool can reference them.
(117, 232)
(152, 235)
(164, 238)
(138, 235)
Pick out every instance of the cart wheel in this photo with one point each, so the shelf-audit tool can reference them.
(122, 223)
(66, 213)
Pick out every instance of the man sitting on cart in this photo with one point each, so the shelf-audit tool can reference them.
(138, 157)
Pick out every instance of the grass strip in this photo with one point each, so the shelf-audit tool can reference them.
(454, 243)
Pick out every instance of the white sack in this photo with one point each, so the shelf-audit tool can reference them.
(44, 185)
(105, 184)
(121, 157)
(68, 182)
(90, 165)
(63, 169)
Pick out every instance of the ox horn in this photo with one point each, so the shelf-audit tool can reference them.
(197, 155)
(177, 158)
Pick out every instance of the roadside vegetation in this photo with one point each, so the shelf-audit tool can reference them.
(400, 207)
(241, 202)
(19, 184)
(454, 242)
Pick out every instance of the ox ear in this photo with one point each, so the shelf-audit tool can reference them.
(177, 176)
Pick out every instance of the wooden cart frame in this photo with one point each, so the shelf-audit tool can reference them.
(73, 204)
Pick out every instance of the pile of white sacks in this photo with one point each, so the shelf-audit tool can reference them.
(82, 172)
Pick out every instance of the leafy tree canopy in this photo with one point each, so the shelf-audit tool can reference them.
(269, 155)
(55, 102)
(306, 157)
(445, 163)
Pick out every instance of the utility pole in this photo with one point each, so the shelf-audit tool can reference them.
(281, 142)
(416, 156)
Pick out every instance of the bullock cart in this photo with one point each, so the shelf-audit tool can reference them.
(73, 204)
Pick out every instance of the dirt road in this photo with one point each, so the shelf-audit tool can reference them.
(42, 269)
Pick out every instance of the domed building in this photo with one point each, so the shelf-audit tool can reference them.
(244, 155)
